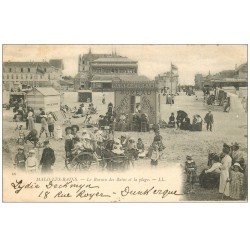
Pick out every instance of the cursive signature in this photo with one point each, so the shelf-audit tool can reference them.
(163, 193)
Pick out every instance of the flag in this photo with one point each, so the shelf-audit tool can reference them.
(173, 67)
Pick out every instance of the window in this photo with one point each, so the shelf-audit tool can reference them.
(12, 76)
(7, 76)
(45, 69)
(29, 70)
(22, 70)
(21, 76)
(31, 77)
(9, 69)
(26, 76)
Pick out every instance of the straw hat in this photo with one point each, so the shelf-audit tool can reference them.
(238, 165)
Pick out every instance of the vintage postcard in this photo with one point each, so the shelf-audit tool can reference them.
(124, 123)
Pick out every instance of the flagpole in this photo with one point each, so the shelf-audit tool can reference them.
(171, 80)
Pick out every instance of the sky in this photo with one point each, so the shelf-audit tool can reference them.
(152, 59)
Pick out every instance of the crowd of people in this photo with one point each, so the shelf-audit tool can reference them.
(227, 172)
(30, 163)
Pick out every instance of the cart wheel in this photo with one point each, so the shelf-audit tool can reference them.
(81, 162)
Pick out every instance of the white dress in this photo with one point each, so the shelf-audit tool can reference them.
(224, 175)
(59, 133)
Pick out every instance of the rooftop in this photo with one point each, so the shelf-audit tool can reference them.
(64, 82)
(46, 91)
(116, 59)
(25, 64)
(132, 78)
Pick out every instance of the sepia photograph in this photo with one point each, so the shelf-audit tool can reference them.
(125, 123)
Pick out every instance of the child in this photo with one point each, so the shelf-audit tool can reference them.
(20, 159)
(155, 155)
(190, 169)
(31, 164)
(236, 181)
(141, 148)
(51, 122)
(59, 132)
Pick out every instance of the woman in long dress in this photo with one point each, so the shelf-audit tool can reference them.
(236, 182)
(224, 174)
(31, 124)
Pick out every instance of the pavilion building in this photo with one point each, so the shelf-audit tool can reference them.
(96, 71)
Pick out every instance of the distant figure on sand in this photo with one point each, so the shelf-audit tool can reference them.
(209, 120)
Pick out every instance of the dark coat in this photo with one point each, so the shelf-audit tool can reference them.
(209, 118)
(48, 157)
(69, 145)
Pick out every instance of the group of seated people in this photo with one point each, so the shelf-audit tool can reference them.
(182, 121)
(84, 110)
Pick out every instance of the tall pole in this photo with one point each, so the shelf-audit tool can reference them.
(171, 83)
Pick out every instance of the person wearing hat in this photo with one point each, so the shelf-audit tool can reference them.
(44, 126)
(42, 112)
(96, 136)
(171, 121)
(155, 155)
(31, 163)
(141, 148)
(210, 178)
(236, 181)
(48, 158)
(124, 141)
(87, 140)
(209, 120)
(51, 125)
(117, 149)
(75, 130)
(30, 121)
(20, 158)
(224, 174)
(237, 155)
(190, 169)
(69, 143)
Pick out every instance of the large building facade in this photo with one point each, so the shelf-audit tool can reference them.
(96, 71)
(24, 75)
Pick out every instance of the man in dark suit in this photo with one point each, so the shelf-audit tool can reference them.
(48, 158)
(209, 119)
